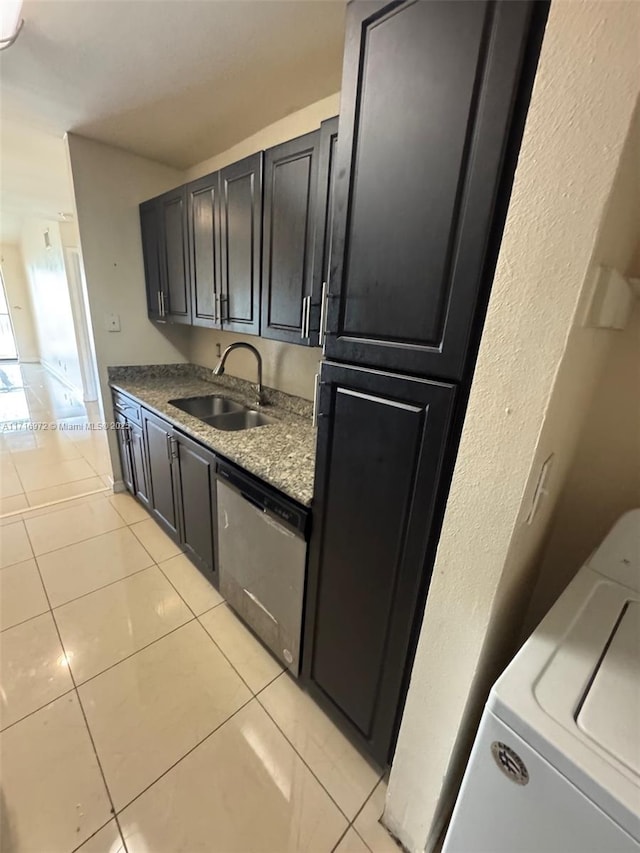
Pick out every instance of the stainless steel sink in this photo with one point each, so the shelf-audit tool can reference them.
(206, 407)
(239, 420)
(221, 413)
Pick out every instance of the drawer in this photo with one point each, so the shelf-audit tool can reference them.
(129, 408)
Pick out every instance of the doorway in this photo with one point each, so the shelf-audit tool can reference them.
(8, 348)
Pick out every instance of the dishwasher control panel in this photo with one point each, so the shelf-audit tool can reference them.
(266, 498)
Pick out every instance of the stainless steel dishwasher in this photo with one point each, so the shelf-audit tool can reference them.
(262, 553)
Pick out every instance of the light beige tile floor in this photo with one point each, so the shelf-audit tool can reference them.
(139, 715)
(49, 453)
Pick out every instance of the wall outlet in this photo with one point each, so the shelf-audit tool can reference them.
(112, 322)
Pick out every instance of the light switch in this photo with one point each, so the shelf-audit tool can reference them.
(112, 322)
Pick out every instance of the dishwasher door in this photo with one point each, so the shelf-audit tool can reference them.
(262, 570)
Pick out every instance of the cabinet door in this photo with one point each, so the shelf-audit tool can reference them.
(124, 441)
(175, 277)
(427, 97)
(241, 231)
(381, 440)
(139, 463)
(197, 498)
(158, 441)
(289, 226)
(324, 225)
(204, 250)
(151, 242)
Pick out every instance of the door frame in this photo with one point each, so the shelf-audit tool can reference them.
(11, 326)
(81, 323)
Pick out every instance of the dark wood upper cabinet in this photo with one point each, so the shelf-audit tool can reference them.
(289, 227)
(241, 233)
(381, 441)
(427, 100)
(150, 234)
(324, 225)
(175, 262)
(196, 493)
(163, 227)
(204, 250)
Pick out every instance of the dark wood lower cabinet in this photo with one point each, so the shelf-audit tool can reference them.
(197, 502)
(174, 477)
(160, 449)
(138, 463)
(132, 457)
(381, 441)
(124, 443)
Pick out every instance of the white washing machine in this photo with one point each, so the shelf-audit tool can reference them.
(555, 767)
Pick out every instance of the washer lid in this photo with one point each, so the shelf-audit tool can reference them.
(618, 557)
(610, 712)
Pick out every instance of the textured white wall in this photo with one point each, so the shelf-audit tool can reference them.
(299, 122)
(603, 477)
(19, 301)
(108, 186)
(581, 108)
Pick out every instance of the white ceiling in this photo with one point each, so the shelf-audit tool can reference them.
(174, 80)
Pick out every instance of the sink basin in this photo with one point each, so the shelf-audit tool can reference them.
(221, 413)
(206, 407)
(246, 419)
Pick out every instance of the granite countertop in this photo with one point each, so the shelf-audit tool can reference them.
(282, 453)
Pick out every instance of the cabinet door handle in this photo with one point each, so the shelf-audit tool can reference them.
(164, 312)
(127, 435)
(223, 301)
(323, 314)
(306, 317)
(216, 308)
(160, 303)
(316, 395)
(169, 451)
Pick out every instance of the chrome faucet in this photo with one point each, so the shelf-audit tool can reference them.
(218, 370)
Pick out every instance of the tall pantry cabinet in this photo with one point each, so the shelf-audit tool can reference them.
(434, 96)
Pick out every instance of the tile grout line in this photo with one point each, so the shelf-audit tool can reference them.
(346, 817)
(197, 618)
(104, 586)
(39, 708)
(124, 524)
(221, 650)
(361, 809)
(133, 654)
(81, 706)
(77, 542)
(93, 835)
(28, 619)
(182, 757)
(51, 506)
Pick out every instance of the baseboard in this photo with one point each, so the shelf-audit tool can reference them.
(119, 487)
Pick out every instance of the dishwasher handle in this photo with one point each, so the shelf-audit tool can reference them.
(252, 501)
